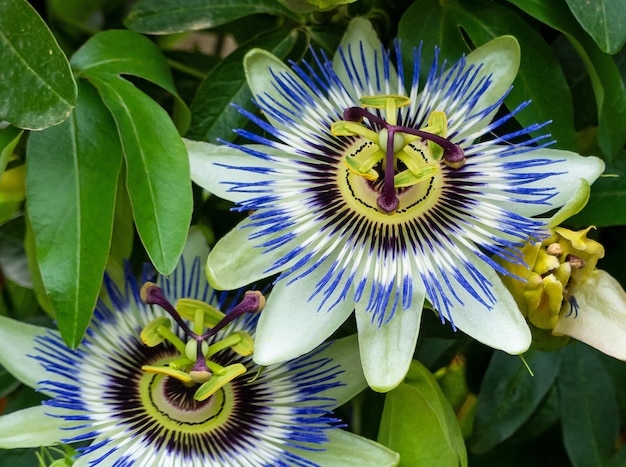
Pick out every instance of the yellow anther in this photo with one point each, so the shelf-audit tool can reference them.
(390, 102)
(217, 381)
(346, 128)
(239, 341)
(437, 125)
(187, 308)
(356, 168)
(382, 101)
(167, 371)
(409, 178)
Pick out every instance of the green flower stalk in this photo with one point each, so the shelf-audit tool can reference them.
(372, 191)
(163, 377)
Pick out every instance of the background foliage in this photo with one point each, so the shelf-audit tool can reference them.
(95, 96)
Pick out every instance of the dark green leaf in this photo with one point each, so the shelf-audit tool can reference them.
(432, 24)
(113, 53)
(604, 20)
(213, 115)
(589, 410)
(123, 227)
(35, 274)
(157, 170)
(169, 16)
(607, 203)
(510, 394)
(419, 423)
(540, 77)
(12, 254)
(37, 89)
(72, 174)
(607, 83)
(619, 459)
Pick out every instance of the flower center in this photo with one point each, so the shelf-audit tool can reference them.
(405, 157)
(197, 367)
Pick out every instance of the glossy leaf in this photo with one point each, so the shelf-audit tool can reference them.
(604, 20)
(540, 78)
(510, 395)
(169, 16)
(419, 423)
(127, 53)
(157, 170)
(37, 89)
(212, 108)
(607, 83)
(589, 410)
(71, 179)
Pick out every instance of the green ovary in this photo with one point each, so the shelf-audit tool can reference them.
(416, 194)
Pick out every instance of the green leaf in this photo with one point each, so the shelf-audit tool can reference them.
(419, 423)
(9, 137)
(71, 179)
(170, 16)
(604, 20)
(157, 170)
(35, 274)
(123, 227)
(589, 410)
(607, 203)
(37, 89)
(109, 54)
(540, 76)
(606, 80)
(510, 395)
(213, 115)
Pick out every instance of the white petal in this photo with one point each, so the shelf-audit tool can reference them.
(345, 353)
(601, 320)
(234, 261)
(349, 450)
(387, 350)
(17, 341)
(360, 35)
(30, 428)
(503, 327)
(261, 67)
(292, 323)
(213, 167)
(500, 59)
(568, 167)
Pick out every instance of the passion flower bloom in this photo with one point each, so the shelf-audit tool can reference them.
(182, 395)
(370, 190)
